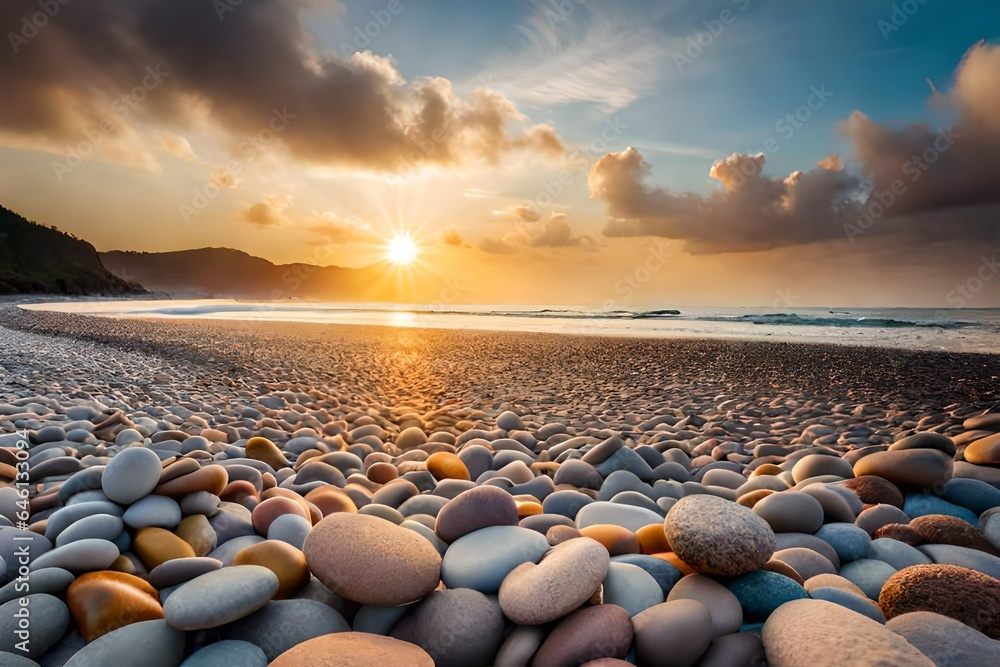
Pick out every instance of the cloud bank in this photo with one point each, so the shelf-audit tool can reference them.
(83, 71)
(913, 183)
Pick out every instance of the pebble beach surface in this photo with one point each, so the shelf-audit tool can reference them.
(250, 493)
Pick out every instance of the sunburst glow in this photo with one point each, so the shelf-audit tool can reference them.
(402, 249)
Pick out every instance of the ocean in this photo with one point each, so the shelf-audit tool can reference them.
(956, 330)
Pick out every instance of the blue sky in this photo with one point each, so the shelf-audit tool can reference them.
(728, 98)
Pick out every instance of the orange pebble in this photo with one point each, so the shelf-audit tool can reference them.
(287, 563)
(528, 508)
(381, 472)
(616, 539)
(104, 601)
(445, 465)
(652, 539)
(155, 546)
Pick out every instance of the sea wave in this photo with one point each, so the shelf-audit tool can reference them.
(791, 319)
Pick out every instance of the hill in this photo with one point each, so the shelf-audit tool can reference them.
(35, 259)
(225, 272)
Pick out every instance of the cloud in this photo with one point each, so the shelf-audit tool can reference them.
(555, 232)
(897, 179)
(608, 55)
(236, 72)
(519, 213)
(451, 237)
(750, 212)
(179, 147)
(953, 166)
(331, 229)
(268, 213)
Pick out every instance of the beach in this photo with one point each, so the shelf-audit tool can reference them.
(296, 492)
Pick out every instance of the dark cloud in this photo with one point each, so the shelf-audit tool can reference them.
(915, 184)
(236, 69)
(750, 212)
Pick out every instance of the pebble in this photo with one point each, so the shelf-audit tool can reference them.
(727, 614)
(603, 631)
(354, 649)
(371, 561)
(476, 508)
(715, 536)
(456, 627)
(158, 644)
(48, 619)
(227, 652)
(924, 468)
(158, 511)
(945, 640)
(79, 556)
(760, 593)
(631, 588)
(968, 596)
(482, 559)
(220, 597)
(282, 624)
(131, 474)
(104, 601)
(673, 634)
(285, 561)
(564, 579)
(790, 512)
(816, 632)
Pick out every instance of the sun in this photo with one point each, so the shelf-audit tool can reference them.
(401, 249)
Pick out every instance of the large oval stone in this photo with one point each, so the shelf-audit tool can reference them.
(220, 597)
(354, 649)
(924, 468)
(131, 474)
(456, 627)
(672, 634)
(816, 632)
(790, 512)
(591, 633)
(715, 536)
(483, 558)
(564, 579)
(48, 619)
(371, 560)
(965, 595)
(281, 624)
(104, 601)
(147, 643)
(476, 508)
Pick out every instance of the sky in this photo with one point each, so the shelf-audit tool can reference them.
(617, 154)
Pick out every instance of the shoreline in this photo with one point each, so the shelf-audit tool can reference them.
(882, 330)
